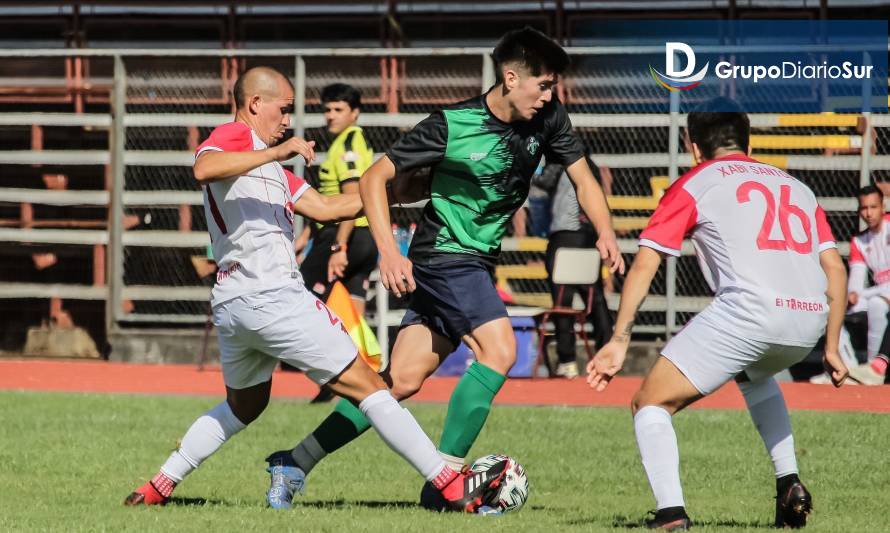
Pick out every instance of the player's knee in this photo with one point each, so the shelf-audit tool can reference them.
(500, 358)
(636, 403)
(248, 404)
(403, 388)
(644, 398)
(877, 307)
(248, 411)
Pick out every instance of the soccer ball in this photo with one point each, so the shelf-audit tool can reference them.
(513, 491)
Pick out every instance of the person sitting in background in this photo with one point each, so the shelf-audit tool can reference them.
(870, 251)
(570, 228)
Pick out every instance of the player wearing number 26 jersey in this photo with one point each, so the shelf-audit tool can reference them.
(758, 233)
(767, 252)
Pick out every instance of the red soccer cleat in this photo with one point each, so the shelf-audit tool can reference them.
(468, 490)
(145, 495)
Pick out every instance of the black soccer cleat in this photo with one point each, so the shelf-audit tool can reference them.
(670, 519)
(431, 499)
(793, 503)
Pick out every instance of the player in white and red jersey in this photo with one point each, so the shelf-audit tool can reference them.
(767, 251)
(264, 313)
(870, 250)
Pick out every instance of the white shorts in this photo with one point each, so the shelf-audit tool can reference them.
(287, 324)
(709, 356)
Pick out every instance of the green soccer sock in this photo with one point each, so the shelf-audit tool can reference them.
(468, 408)
(341, 427)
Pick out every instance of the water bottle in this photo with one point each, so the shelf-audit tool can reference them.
(404, 241)
(401, 237)
(411, 229)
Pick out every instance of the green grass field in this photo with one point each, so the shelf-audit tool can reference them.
(67, 461)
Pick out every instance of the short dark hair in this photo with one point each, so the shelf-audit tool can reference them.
(340, 92)
(531, 49)
(238, 92)
(719, 123)
(870, 189)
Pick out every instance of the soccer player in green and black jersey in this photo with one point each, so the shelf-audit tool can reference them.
(482, 153)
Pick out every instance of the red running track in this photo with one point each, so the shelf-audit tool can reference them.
(106, 377)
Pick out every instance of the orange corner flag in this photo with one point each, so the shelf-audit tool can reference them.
(362, 335)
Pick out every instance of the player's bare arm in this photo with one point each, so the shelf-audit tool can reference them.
(834, 269)
(328, 208)
(395, 269)
(610, 358)
(215, 166)
(593, 202)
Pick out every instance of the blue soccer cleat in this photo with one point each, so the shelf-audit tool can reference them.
(287, 479)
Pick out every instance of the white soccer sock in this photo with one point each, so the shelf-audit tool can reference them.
(456, 463)
(661, 457)
(202, 439)
(877, 323)
(401, 432)
(845, 347)
(308, 453)
(770, 417)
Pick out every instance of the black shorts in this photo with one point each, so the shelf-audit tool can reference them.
(361, 253)
(454, 298)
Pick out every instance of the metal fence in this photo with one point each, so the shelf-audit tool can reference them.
(141, 113)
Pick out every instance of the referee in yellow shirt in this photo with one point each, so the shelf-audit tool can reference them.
(343, 251)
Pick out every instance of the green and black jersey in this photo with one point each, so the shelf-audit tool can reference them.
(481, 169)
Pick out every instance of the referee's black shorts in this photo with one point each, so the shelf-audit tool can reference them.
(361, 254)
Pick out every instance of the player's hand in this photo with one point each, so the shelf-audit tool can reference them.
(607, 245)
(293, 147)
(605, 364)
(337, 265)
(397, 273)
(853, 298)
(835, 367)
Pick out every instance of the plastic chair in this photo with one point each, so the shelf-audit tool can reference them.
(571, 266)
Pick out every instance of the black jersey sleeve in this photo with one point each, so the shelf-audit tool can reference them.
(562, 145)
(423, 146)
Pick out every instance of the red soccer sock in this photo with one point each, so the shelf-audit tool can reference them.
(163, 485)
(879, 364)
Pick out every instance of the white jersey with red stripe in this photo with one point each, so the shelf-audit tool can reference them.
(758, 233)
(870, 250)
(250, 219)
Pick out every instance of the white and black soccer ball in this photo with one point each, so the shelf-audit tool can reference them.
(512, 494)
